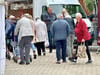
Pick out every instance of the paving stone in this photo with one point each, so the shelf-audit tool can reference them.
(46, 65)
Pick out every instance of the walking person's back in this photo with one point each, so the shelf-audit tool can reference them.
(25, 29)
(41, 35)
(60, 31)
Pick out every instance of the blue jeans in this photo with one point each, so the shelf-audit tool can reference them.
(61, 44)
(50, 41)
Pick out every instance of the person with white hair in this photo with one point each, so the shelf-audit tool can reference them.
(25, 29)
(41, 36)
(82, 35)
(59, 31)
(8, 23)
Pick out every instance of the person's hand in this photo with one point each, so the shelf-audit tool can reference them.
(34, 39)
(83, 40)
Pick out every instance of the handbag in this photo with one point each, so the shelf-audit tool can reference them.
(81, 51)
(46, 41)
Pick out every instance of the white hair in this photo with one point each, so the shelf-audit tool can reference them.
(11, 17)
(79, 15)
(59, 16)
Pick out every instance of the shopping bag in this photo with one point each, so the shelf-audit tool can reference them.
(46, 43)
(81, 51)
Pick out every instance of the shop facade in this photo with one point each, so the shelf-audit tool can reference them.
(19, 7)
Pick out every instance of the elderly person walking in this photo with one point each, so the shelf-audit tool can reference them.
(70, 38)
(60, 31)
(25, 29)
(34, 31)
(82, 35)
(41, 35)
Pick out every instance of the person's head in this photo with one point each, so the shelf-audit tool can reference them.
(29, 16)
(11, 17)
(60, 16)
(78, 17)
(26, 15)
(64, 11)
(49, 10)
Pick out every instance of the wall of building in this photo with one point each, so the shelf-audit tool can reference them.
(18, 8)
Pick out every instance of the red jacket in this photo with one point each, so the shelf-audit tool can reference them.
(81, 31)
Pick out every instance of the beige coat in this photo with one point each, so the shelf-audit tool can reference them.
(41, 31)
(24, 27)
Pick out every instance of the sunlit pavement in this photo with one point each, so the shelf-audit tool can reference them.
(46, 65)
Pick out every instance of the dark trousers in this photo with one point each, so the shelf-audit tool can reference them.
(50, 41)
(87, 50)
(25, 44)
(61, 44)
(40, 46)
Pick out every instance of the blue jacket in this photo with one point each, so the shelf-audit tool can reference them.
(7, 25)
(60, 29)
(10, 33)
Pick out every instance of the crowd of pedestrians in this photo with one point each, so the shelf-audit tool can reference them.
(43, 31)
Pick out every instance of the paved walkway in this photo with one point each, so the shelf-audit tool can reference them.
(46, 65)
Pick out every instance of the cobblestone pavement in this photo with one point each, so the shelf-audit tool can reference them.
(46, 65)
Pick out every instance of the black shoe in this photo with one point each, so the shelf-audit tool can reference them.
(27, 63)
(44, 54)
(73, 60)
(89, 61)
(70, 59)
(64, 61)
(30, 58)
(50, 51)
(58, 62)
(39, 55)
(21, 63)
(35, 56)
